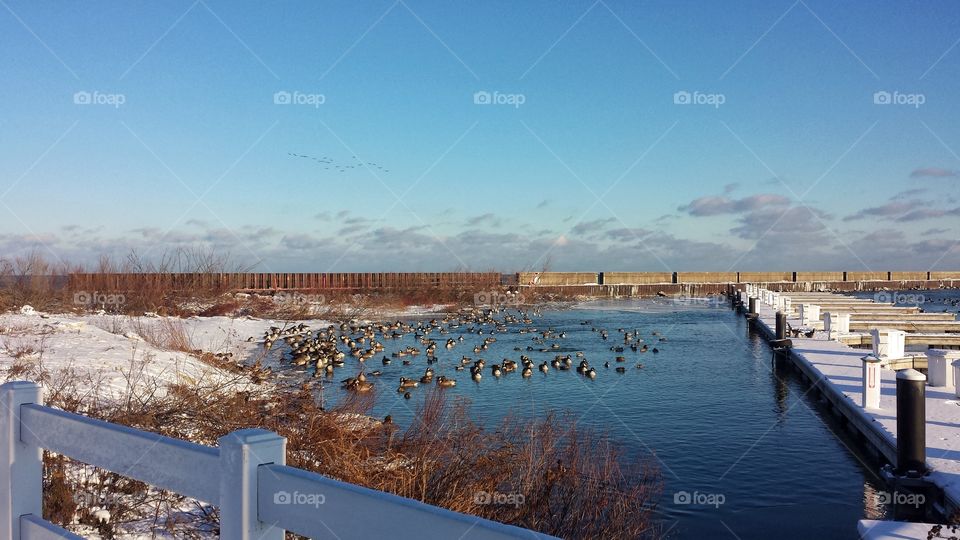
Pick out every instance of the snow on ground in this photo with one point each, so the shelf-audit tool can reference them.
(59, 343)
(107, 348)
(106, 353)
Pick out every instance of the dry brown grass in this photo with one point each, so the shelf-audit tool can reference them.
(29, 279)
(168, 333)
(557, 478)
(136, 285)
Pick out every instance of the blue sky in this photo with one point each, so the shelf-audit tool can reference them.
(785, 157)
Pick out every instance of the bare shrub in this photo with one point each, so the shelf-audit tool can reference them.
(569, 480)
(162, 284)
(59, 504)
(168, 333)
(31, 279)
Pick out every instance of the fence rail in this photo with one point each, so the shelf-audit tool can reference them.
(246, 476)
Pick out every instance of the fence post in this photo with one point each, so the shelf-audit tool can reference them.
(871, 382)
(21, 469)
(241, 453)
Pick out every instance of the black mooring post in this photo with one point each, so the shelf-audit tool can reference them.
(911, 423)
(753, 307)
(781, 326)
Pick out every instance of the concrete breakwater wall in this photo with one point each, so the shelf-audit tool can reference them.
(671, 289)
(698, 290)
(645, 278)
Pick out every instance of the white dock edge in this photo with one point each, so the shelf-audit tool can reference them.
(834, 366)
(872, 529)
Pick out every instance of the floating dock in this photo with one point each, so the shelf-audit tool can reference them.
(836, 370)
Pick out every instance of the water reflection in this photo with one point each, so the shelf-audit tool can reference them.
(710, 408)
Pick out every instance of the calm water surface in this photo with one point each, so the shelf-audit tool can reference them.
(708, 409)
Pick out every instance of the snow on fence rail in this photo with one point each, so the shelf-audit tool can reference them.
(246, 476)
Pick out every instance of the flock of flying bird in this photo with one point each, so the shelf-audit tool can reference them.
(327, 349)
(329, 163)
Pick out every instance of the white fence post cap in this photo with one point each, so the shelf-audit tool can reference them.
(249, 436)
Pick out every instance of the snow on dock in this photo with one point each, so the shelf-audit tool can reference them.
(871, 529)
(837, 369)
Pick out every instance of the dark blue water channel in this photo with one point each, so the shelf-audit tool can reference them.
(744, 451)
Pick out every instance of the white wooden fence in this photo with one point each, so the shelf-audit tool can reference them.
(258, 495)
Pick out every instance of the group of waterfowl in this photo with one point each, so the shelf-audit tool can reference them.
(341, 167)
(326, 349)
